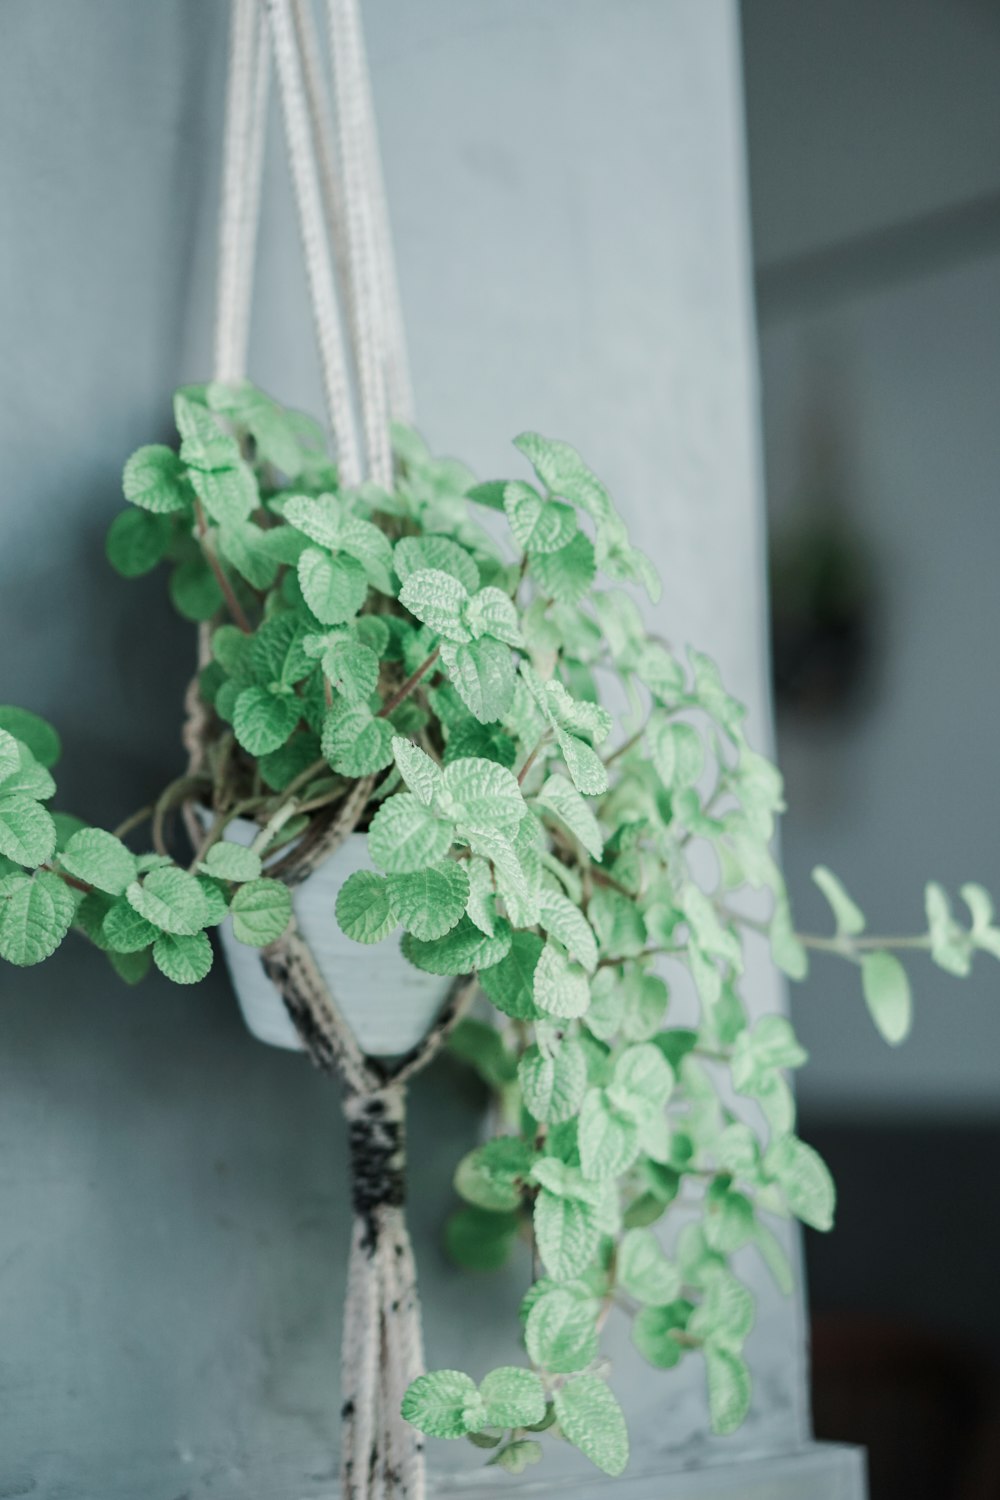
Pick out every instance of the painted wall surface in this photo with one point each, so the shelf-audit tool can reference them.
(898, 339)
(566, 181)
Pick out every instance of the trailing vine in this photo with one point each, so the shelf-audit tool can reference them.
(428, 664)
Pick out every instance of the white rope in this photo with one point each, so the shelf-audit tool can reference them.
(319, 268)
(397, 364)
(242, 169)
(364, 272)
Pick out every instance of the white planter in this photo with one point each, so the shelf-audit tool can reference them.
(389, 1005)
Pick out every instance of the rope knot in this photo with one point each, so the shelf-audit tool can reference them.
(376, 1135)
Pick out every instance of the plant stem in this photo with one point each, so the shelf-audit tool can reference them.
(175, 792)
(133, 821)
(624, 749)
(78, 885)
(390, 706)
(232, 603)
(531, 759)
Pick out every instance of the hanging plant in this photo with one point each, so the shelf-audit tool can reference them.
(425, 661)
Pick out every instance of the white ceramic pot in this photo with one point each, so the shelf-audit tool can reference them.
(389, 1005)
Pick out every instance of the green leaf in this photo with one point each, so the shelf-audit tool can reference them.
(561, 799)
(421, 774)
(184, 958)
(493, 1176)
(509, 984)
(154, 480)
(229, 495)
(194, 591)
(483, 676)
(27, 832)
(491, 612)
(563, 920)
(728, 1389)
(204, 444)
(444, 1404)
(644, 1271)
(514, 1397)
(478, 1240)
(263, 721)
(726, 1315)
(228, 861)
(35, 916)
(567, 1233)
(429, 902)
(100, 859)
(951, 947)
(405, 836)
(592, 1420)
(786, 950)
(352, 669)
(566, 575)
(887, 995)
(334, 588)
(480, 794)
(364, 910)
(125, 931)
(609, 1138)
(23, 774)
(642, 1080)
(469, 738)
(537, 525)
(317, 517)
(355, 741)
(561, 986)
(261, 912)
(171, 899)
(848, 917)
(553, 1086)
(438, 601)
(416, 554)
(516, 1457)
(136, 541)
(33, 731)
(460, 951)
(676, 750)
(563, 472)
(275, 654)
(805, 1179)
(130, 967)
(561, 1332)
(654, 1329)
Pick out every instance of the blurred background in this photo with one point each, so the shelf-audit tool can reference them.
(874, 164)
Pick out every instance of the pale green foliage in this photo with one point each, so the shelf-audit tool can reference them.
(514, 831)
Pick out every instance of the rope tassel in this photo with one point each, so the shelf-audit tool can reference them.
(382, 1348)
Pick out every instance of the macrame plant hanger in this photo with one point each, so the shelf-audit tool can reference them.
(343, 222)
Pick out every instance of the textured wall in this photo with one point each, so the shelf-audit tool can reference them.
(566, 179)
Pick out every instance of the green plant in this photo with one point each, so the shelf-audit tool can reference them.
(385, 659)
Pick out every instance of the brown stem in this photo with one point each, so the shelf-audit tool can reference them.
(232, 603)
(407, 688)
(78, 885)
(530, 761)
(134, 821)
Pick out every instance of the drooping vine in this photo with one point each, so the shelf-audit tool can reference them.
(428, 664)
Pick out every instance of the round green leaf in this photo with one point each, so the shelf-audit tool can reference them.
(136, 541)
(334, 588)
(561, 986)
(154, 480)
(460, 951)
(553, 1087)
(354, 741)
(228, 861)
(514, 1397)
(263, 721)
(100, 859)
(171, 899)
(592, 1420)
(34, 918)
(364, 910)
(510, 983)
(261, 911)
(183, 958)
(125, 931)
(561, 1332)
(406, 836)
(27, 832)
(887, 994)
(444, 1404)
(431, 901)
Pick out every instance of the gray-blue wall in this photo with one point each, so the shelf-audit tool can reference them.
(567, 183)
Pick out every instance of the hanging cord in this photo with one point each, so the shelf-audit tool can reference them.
(382, 1350)
(346, 50)
(319, 267)
(239, 213)
(243, 159)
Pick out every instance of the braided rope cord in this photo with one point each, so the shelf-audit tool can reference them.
(344, 230)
